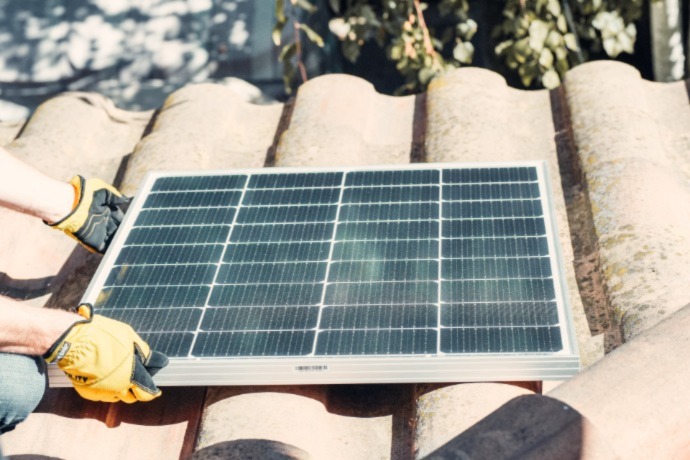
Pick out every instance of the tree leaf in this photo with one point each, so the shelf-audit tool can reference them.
(288, 75)
(570, 42)
(280, 11)
(425, 75)
(522, 50)
(527, 74)
(313, 36)
(287, 52)
(554, 39)
(306, 6)
(277, 32)
(546, 58)
(561, 24)
(501, 47)
(550, 79)
(538, 30)
(612, 47)
(463, 52)
(562, 66)
(339, 28)
(561, 53)
(554, 7)
(335, 6)
(395, 52)
(351, 51)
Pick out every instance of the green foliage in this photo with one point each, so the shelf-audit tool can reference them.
(608, 24)
(538, 39)
(291, 50)
(419, 53)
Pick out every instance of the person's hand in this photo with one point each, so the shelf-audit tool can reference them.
(96, 216)
(106, 360)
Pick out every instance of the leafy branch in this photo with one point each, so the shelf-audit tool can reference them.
(291, 54)
(539, 40)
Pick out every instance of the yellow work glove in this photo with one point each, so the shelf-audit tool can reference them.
(96, 216)
(106, 360)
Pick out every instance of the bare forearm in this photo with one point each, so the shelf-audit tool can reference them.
(31, 330)
(27, 190)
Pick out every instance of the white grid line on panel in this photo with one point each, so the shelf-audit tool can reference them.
(497, 237)
(466, 219)
(381, 281)
(440, 263)
(109, 286)
(169, 264)
(348, 329)
(181, 226)
(329, 261)
(381, 186)
(440, 182)
(168, 208)
(239, 190)
(291, 205)
(153, 245)
(491, 200)
(220, 263)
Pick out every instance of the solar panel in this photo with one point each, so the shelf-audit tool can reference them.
(434, 272)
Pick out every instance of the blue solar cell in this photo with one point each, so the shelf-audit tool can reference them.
(393, 194)
(380, 316)
(501, 340)
(247, 344)
(193, 199)
(260, 318)
(399, 177)
(376, 342)
(272, 272)
(203, 182)
(177, 217)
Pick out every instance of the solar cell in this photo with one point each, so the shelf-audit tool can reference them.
(424, 273)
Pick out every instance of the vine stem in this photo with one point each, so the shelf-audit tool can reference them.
(298, 43)
(429, 47)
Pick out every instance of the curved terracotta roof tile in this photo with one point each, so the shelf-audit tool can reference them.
(474, 116)
(204, 126)
(9, 130)
(342, 120)
(637, 180)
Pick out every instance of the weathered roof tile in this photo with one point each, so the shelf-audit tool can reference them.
(204, 126)
(638, 395)
(636, 174)
(300, 418)
(342, 120)
(9, 130)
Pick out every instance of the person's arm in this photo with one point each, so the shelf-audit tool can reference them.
(31, 330)
(105, 359)
(28, 190)
(88, 210)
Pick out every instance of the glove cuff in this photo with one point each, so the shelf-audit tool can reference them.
(61, 345)
(71, 222)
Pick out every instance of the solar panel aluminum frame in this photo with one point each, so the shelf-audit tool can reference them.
(363, 369)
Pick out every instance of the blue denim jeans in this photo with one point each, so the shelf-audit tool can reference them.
(23, 380)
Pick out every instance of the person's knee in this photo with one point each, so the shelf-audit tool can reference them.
(21, 388)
